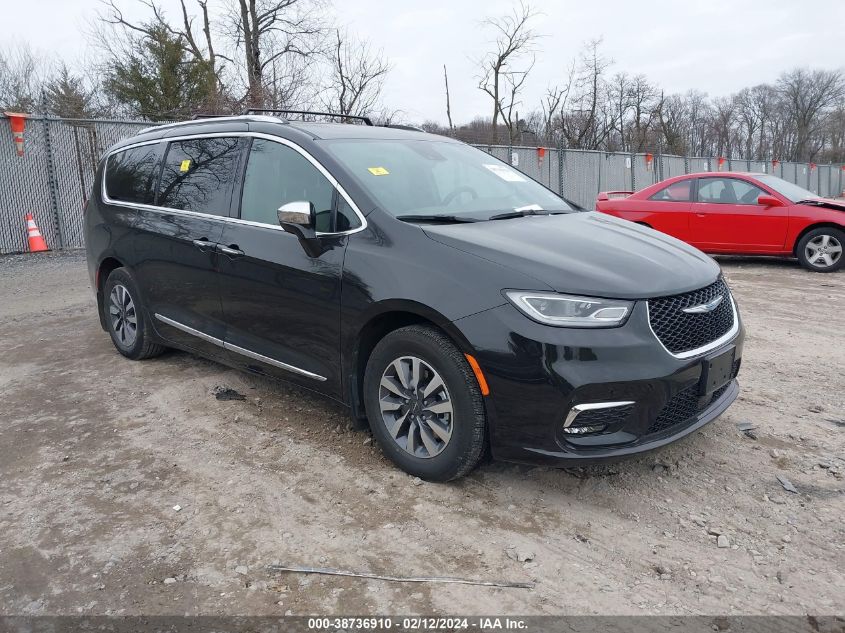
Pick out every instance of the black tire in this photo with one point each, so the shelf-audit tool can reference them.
(836, 236)
(136, 345)
(465, 447)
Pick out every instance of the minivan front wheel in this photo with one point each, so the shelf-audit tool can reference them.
(125, 318)
(424, 405)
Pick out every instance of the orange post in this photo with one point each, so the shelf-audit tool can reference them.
(37, 243)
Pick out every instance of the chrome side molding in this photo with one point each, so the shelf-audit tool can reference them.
(238, 350)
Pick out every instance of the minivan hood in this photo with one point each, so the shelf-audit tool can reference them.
(589, 254)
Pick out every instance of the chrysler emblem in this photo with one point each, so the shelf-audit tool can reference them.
(704, 308)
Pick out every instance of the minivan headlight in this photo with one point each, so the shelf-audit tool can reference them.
(552, 308)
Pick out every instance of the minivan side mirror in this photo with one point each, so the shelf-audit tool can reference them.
(300, 218)
(769, 201)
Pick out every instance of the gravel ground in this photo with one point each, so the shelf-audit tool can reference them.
(96, 453)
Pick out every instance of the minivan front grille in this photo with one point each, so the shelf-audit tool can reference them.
(686, 405)
(681, 331)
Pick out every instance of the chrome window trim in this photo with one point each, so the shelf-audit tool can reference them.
(706, 348)
(578, 409)
(269, 137)
(238, 350)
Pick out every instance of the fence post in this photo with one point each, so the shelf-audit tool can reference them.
(633, 172)
(52, 180)
(560, 161)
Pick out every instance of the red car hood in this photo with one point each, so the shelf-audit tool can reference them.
(830, 203)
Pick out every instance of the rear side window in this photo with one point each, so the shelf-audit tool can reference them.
(198, 175)
(130, 174)
(680, 191)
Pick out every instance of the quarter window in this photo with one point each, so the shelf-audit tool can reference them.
(680, 191)
(728, 191)
(198, 175)
(130, 174)
(277, 175)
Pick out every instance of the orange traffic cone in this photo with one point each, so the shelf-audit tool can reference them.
(36, 240)
(17, 123)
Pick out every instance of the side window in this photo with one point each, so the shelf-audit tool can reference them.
(130, 175)
(746, 193)
(276, 175)
(198, 175)
(727, 191)
(347, 219)
(680, 191)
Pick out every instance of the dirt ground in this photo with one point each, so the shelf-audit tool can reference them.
(96, 450)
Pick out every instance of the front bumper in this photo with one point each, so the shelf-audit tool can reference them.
(537, 374)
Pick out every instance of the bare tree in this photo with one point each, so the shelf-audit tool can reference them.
(581, 125)
(355, 77)
(266, 31)
(22, 76)
(552, 103)
(808, 97)
(448, 100)
(500, 77)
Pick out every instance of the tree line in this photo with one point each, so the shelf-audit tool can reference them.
(290, 54)
(220, 59)
(799, 117)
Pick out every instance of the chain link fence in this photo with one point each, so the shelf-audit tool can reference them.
(54, 177)
(579, 175)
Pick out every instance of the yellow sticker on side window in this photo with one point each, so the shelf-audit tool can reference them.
(186, 165)
(378, 171)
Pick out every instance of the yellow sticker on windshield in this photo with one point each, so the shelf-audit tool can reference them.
(185, 166)
(378, 171)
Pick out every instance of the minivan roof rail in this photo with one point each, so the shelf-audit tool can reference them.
(303, 113)
(211, 118)
(403, 126)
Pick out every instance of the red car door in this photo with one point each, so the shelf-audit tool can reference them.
(726, 217)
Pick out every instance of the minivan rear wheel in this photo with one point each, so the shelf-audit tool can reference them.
(424, 405)
(125, 318)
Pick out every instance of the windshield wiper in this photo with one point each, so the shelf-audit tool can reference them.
(435, 218)
(811, 201)
(523, 213)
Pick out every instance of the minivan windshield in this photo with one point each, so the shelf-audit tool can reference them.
(793, 193)
(417, 179)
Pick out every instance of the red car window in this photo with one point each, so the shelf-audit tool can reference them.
(676, 192)
(728, 191)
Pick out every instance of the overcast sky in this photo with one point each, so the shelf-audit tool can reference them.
(716, 46)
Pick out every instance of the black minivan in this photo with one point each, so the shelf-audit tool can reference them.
(449, 300)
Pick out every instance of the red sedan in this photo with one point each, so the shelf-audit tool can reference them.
(739, 213)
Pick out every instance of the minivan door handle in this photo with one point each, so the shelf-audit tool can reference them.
(231, 251)
(204, 245)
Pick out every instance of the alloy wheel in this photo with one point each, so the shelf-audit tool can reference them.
(124, 319)
(416, 407)
(823, 251)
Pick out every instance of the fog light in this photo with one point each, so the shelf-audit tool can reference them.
(581, 430)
